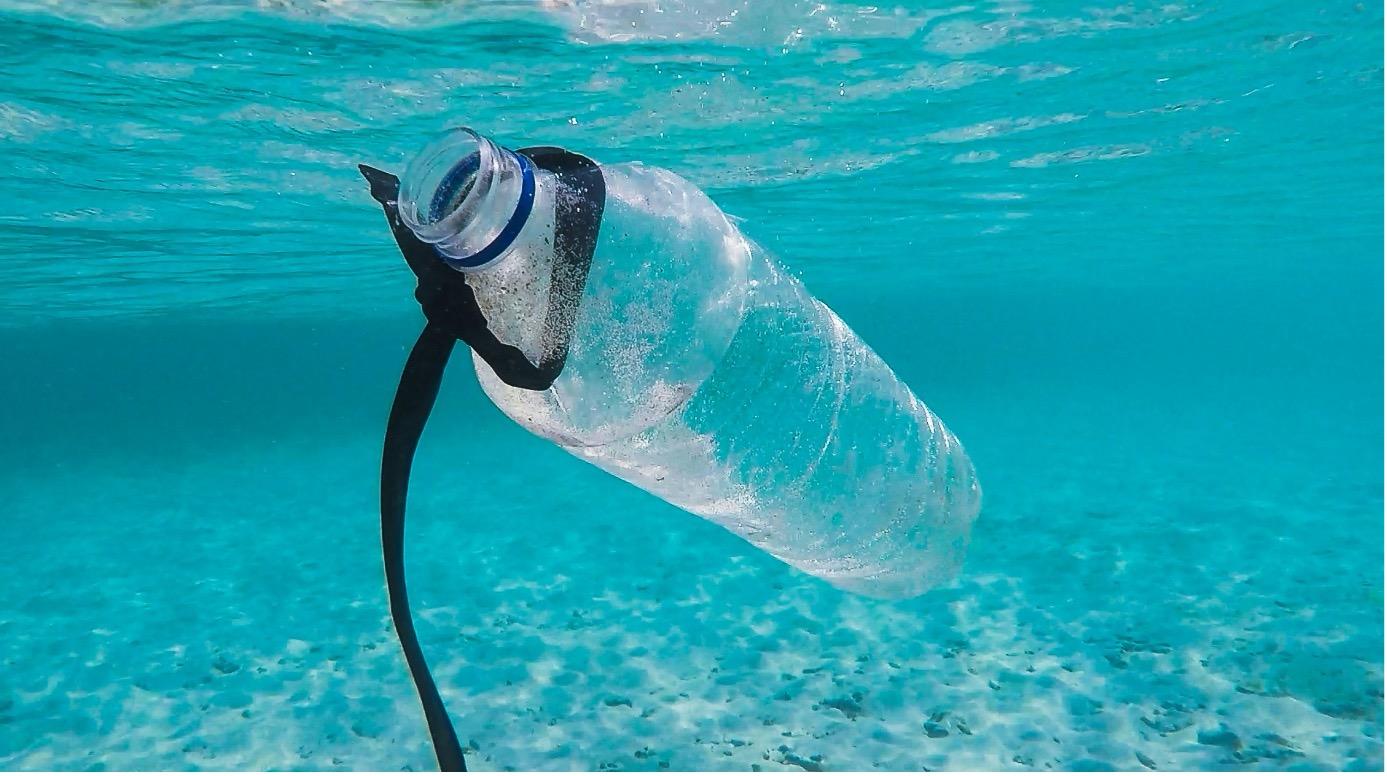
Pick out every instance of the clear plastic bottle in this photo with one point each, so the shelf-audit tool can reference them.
(702, 372)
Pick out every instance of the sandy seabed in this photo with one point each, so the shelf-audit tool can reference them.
(225, 610)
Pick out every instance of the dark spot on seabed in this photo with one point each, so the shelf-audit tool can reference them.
(225, 665)
(1220, 737)
(814, 763)
(850, 706)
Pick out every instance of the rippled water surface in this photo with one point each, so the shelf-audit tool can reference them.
(1131, 254)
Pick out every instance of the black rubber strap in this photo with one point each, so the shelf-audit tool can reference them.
(414, 400)
(450, 306)
(577, 218)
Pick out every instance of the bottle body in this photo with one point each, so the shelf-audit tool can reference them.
(702, 372)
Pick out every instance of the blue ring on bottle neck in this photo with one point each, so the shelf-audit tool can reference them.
(448, 188)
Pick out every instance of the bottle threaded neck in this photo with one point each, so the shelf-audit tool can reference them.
(467, 196)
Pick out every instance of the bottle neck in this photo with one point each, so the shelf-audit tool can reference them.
(468, 197)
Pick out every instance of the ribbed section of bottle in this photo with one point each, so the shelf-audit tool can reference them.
(805, 443)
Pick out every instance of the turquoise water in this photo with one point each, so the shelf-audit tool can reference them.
(1131, 254)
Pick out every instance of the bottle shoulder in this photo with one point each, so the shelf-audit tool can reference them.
(662, 299)
(647, 190)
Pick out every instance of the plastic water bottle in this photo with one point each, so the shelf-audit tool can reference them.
(701, 371)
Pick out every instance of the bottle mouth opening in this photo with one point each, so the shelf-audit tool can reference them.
(466, 196)
(452, 191)
(438, 182)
